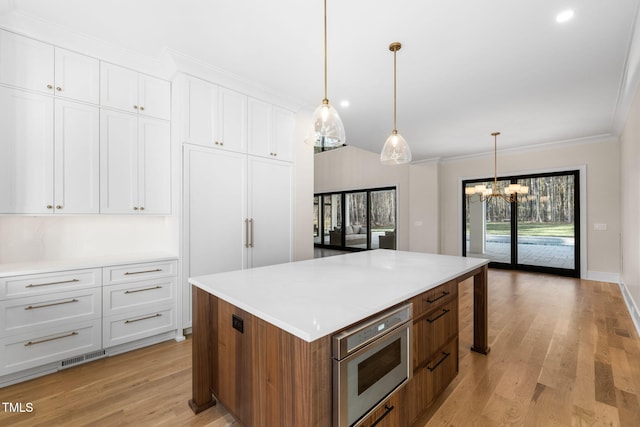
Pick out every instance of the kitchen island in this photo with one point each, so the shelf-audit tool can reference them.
(262, 337)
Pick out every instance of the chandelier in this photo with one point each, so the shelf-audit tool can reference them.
(484, 194)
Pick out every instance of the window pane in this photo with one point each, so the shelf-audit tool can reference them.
(488, 225)
(546, 223)
(355, 232)
(383, 219)
(332, 219)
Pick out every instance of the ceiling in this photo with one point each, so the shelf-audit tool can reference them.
(466, 68)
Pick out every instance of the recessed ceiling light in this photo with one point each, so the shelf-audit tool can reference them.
(344, 103)
(564, 16)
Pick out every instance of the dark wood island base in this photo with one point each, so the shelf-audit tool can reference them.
(266, 376)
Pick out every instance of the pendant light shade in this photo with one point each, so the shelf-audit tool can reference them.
(327, 129)
(395, 151)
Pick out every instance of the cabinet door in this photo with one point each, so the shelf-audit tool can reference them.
(270, 209)
(118, 87)
(26, 152)
(283, 127)
(260, 128)
(200, 110)
(231, 129)
(77, 158)
(154, 97)
(77, 76)
(26, 63)
(118, 162)
(154, 166)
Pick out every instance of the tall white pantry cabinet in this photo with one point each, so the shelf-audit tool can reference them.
(237, 182)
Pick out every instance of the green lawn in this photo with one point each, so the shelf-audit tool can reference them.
(532, 229)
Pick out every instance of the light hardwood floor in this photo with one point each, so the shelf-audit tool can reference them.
(564, 352)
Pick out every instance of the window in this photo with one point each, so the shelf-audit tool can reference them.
(369, 219)
(540, 232)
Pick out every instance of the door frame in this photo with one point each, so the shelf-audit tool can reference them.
(581, 217)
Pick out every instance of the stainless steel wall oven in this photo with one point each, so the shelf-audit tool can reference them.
(370, 362)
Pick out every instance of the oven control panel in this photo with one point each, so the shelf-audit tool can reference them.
(352, 339)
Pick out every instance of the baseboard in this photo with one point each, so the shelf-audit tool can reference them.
(603, 276)
(134, 345)
(631, 306)
(28, 374)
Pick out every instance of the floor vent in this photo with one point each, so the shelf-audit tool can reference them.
(81, 359)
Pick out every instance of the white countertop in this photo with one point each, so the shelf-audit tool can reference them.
(314, 298)
(35, 267)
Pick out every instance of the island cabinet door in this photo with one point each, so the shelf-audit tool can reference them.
(234, 382)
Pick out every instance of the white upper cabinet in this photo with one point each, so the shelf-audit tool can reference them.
(26, 63)
(270, 131)
(26, 152)
(34, 65)
(215, 116)
(135, 157)
(77, 158)
(130, 91)
(77, 76)
(45, 167)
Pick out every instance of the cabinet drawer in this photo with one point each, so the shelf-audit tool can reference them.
(128, 297)
(26, 351)
(134, 326)
(25, 315)
(386, 415)
(134, 272)
(39, 284)
(435, 297)
(434, 330)
(441, 370)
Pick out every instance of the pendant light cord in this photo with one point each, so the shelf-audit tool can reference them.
(325, 50)
(395, 128)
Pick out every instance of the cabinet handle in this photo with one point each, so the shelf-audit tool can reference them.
(444, 311)
(251, 233)
(58, 88)
(142, 290)
(33, 307)
(142, 272)
(135, 208)
(58, 206)
(431, 301)
(135, 107)
(143, 318)
(246, 232)
(141, 208)
(49, 87)
(141, 108)
(445, 355)
(49, 206)
(50, 339)
(387, 411)
(52, 283)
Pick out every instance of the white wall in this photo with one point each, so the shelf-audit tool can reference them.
(600, 159)
(303, 191)
(630, 211)
(37, 238)
(424, 207)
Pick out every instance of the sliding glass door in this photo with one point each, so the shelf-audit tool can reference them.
(539, 232)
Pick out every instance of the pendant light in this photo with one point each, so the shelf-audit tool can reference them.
(395, 151)
(327, 128)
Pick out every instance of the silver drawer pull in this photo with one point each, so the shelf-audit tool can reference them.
(50, 339)
(142, 272)
(33, 307)
(52, 283)
(142, 290)
(143, 318)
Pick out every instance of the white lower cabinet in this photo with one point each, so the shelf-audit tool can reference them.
(138, 301)
(61, 316)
